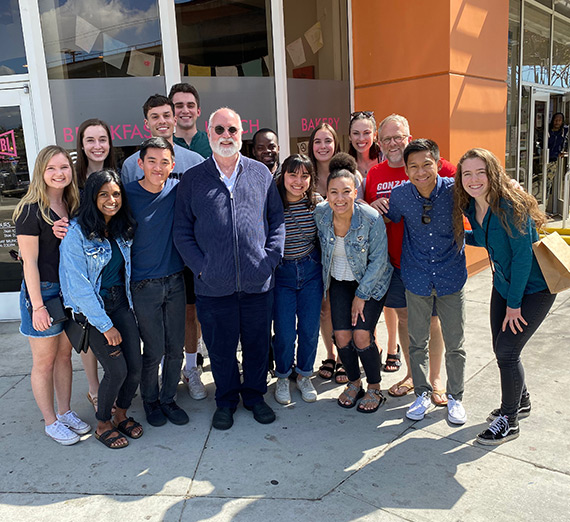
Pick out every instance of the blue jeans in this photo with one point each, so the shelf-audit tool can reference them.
(296, 315)
(160, 307)
(122, 364)
(508, 346)
(226, 320)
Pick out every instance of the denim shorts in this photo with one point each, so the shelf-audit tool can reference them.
(342, 294)
(48, 290)
(396, 295)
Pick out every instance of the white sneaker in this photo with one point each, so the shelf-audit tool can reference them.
(70, 420)
(282, 393)
(419, 407)
(308, 392)
(60, 433)
(195, 387)
(455, 411)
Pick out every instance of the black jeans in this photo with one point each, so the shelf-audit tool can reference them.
(122, 364)
(508, 346)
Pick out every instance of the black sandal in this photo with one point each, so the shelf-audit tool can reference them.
(371, 396)
(128, 430)
(340, 372)
(106, 439)
(359, 393)
(393, 361)
(327, 366)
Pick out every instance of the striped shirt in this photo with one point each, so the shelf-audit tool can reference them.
(298, 217)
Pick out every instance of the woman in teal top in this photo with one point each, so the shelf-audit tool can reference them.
(504, 219)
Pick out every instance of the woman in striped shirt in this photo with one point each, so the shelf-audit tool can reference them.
(298, 282)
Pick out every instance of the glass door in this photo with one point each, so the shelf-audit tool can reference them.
(17, 147)
(534, 143)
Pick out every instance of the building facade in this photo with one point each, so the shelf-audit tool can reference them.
(458, 69)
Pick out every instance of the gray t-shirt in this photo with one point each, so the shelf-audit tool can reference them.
(183, 160)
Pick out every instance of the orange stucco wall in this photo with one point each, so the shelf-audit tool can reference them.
(440, 63)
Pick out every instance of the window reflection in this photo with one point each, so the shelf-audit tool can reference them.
(101, 39)
(561, 53)
(12, 54)
(536, 45)
(224, 37)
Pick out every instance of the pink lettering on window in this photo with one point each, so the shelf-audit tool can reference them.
(8, 145)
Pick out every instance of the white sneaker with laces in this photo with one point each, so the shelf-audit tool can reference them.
(308, 392)
(195, 387)
(70, 420)
(62, 434)
(419, 407)
(455, 411)
(282, 393)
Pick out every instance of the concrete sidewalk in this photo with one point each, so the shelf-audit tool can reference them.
(316, 462)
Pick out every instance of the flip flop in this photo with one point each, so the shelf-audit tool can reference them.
(394, 391)
(439, 397)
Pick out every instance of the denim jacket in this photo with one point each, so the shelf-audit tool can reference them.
(366, 247)
(81, 262)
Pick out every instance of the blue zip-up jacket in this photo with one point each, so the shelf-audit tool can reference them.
(366, 246)
(232, 241)
(80, 265)
(517, 271)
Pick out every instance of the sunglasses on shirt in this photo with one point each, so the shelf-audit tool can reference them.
(426, 219)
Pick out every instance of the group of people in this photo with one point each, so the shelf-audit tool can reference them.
(193, 241)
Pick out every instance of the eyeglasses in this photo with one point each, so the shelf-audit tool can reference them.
(220, 129)
(367, 114)
(426, 220)
(397, 139)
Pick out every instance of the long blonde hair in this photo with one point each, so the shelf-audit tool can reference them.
(522, 204)
(37, 191)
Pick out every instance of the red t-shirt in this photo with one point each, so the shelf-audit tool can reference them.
(380, 182)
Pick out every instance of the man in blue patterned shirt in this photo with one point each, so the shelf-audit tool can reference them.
(433, 270)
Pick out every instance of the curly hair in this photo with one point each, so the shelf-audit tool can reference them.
(523, 205)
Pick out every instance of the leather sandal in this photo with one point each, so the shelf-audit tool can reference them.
(107, 439)
(328, 367)
(127, 430)
(395, 391)
(393, 361)
(340, 372)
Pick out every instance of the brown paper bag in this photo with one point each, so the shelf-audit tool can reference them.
(553, 256)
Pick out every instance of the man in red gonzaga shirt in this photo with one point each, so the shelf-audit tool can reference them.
(393, 136)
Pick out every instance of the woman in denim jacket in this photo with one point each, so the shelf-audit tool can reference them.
(95, 271)
(356, 272)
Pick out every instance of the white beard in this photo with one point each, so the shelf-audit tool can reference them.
(226, 151)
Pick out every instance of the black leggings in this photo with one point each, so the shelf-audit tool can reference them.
(122, 364)
(508, 346)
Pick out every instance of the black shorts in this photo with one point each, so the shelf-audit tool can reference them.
(189, 284)
(341, 295)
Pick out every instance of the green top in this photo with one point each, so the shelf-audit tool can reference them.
(199, 144)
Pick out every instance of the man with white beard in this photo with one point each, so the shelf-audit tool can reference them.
(229, 229)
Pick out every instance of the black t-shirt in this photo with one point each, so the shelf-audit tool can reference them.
(31, 223)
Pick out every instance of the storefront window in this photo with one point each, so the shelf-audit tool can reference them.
(226, 53)
(12, 54)
(100, 39)
(14, 181)
(536, 45)
(561, 53)
(512, 87)
(104, 60)
(317, 67)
